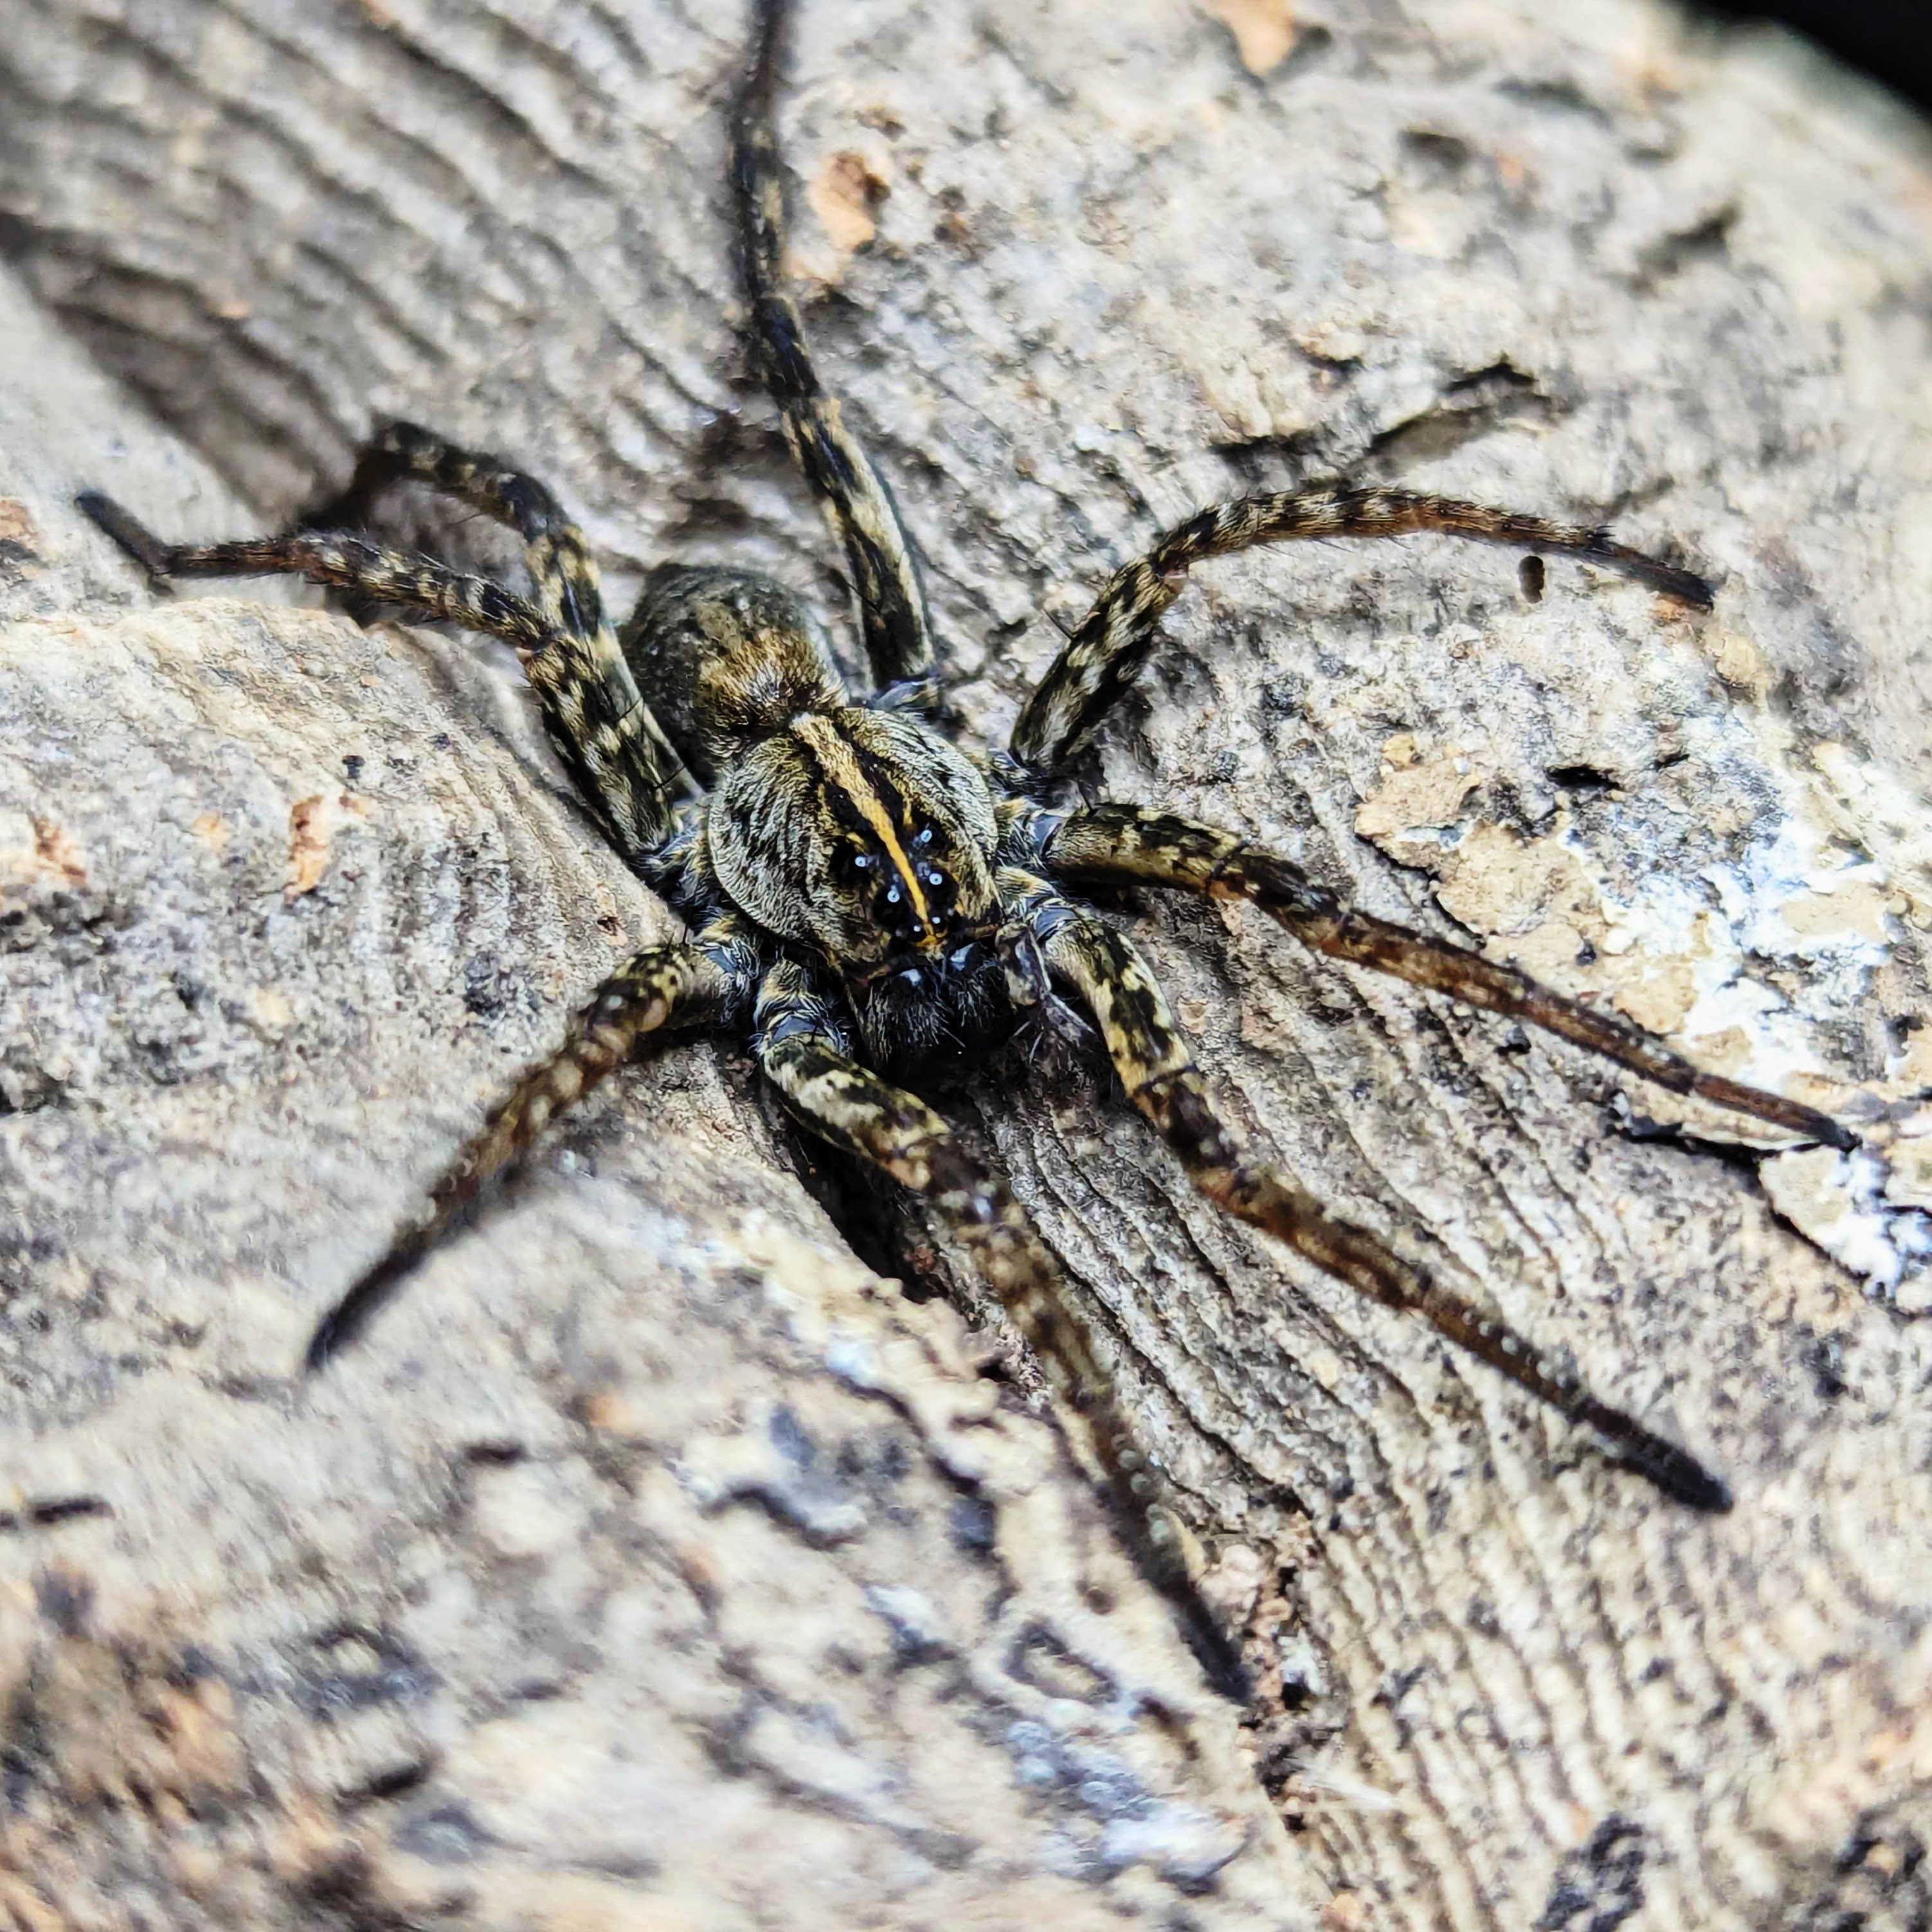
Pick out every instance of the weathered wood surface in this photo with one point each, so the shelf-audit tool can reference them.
(657, 1565)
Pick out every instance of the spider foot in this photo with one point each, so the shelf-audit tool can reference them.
(127, 531)
(1685, 585)
(1670, 1466)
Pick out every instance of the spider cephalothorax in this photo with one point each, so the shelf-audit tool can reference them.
(859, 892)
(862, 833)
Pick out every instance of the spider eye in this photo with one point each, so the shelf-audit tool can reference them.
(855, 865)
(923, 837)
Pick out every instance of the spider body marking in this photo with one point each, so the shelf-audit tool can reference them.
(860, 893)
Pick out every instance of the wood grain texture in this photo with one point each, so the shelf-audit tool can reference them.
(1599, 265)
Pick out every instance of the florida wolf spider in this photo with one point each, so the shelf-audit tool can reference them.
(858, 889)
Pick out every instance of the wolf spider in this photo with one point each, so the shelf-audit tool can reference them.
(857, 889)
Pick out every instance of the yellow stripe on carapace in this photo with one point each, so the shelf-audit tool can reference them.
(841, 765)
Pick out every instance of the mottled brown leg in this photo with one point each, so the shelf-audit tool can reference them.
(1105, 652)
(805, 1052)
(677, 987)
(621, 762)
(338, 560)
(1107, 973)
(884, 568)
(1118, 843)
(563, 574)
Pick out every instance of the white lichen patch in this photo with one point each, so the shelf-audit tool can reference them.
(1840, 1201)
(1685, 958)
(1799, 895)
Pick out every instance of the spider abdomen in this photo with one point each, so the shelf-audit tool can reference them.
(726, 658)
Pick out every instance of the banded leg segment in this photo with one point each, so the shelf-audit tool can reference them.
(1119, 843)
(1106, 971)
(563, 571)
(336, 560)
(616, 753)
(878, 553)
(623, 765)
(1104, 654)
(805, 1052)
(668, 988)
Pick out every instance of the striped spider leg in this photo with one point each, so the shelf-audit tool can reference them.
(888, 593)
(1120, 844)
(806, 1049)
(1112, 980)
(664, 993)
(617, 755)
(1105, 652)
(1113, 845)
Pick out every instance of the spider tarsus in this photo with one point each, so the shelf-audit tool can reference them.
(1702, 1489)
(127, 530)
(344, 1323)
(1775, 1109)
(1684, 585)
(1674, 1470)
(333, 1332)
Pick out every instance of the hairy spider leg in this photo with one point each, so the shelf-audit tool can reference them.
(563, 574)
(1122, 843)
(672, 988)
(613, 744)
(338, 560)
(806, 1052)
(1111, 977)
(884, 567)
(1104, 654)
(623, 766)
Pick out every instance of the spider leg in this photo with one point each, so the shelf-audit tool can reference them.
(1120, 843)
(665, 989)
(591, 703)
(619, 759)
(338, 560)
(1107, 971)
(805, 1052)
(1104, 653)
(563, 573)
(879, 554)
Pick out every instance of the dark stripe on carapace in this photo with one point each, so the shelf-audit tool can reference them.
(821, 735)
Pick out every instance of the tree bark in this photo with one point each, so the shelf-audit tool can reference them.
(656, 1563)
